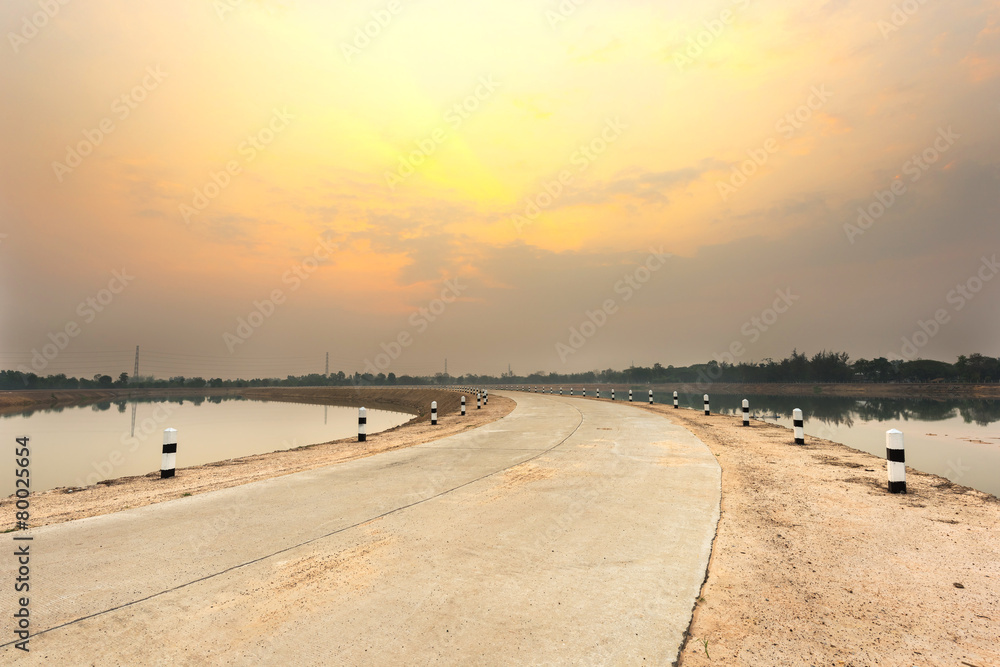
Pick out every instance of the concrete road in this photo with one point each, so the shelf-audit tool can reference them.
(570, 532)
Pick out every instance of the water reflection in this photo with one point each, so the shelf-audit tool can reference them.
(843, 410)
(82, 445)
(962, 445)
(122, 404)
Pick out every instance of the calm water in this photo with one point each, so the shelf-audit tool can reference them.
(956, 439)
(81, 445)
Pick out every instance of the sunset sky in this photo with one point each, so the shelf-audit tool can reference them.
(360, 160)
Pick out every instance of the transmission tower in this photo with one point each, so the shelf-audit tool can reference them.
(327, 374)
(135, 373)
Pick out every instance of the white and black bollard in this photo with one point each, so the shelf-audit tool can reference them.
(895, 460)
(707, 411)
(479, 401)
(434, 413)
(168, 464)
(486, 396)
(746, 412)
(676, 402)
(362, 424)
(598, 392)
(560, 391)
(584, 392)
(629, 395)
(571, 391)
(612, 394)
(650, 396)
(463, 406)
(799, 425)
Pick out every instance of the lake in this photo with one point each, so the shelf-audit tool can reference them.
(79, 446)
(957, 439)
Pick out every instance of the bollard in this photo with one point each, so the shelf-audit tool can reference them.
(746, 412)
(676, 403)
(362, 424)
(629, 395)
(650, 396)
(560, 391)
(800, 436)
(612, 394)
(584, 394)
(571, 391)
(169, 462)
(598, 392)
(706, 404)
(486, 396)
(434, 413)
(463, 406)
(479, 401)
(895, 461)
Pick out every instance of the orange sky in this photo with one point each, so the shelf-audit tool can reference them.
(220, 151)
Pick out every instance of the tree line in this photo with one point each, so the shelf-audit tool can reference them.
(797, 367)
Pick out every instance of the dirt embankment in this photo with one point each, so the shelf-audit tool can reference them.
(815, 563)
(113, 495)
(415, 400)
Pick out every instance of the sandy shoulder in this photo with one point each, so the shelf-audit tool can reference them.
(814, 563)
(108, 496)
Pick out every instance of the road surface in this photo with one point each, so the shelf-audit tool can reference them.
(573, 531)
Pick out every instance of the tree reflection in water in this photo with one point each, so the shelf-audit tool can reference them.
(843, 410)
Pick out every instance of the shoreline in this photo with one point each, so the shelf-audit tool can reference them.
(413, 400)
(814, 562)
(927, 390)
(15, 400)
(113, 495)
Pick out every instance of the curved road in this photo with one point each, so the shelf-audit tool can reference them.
(572, 531)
